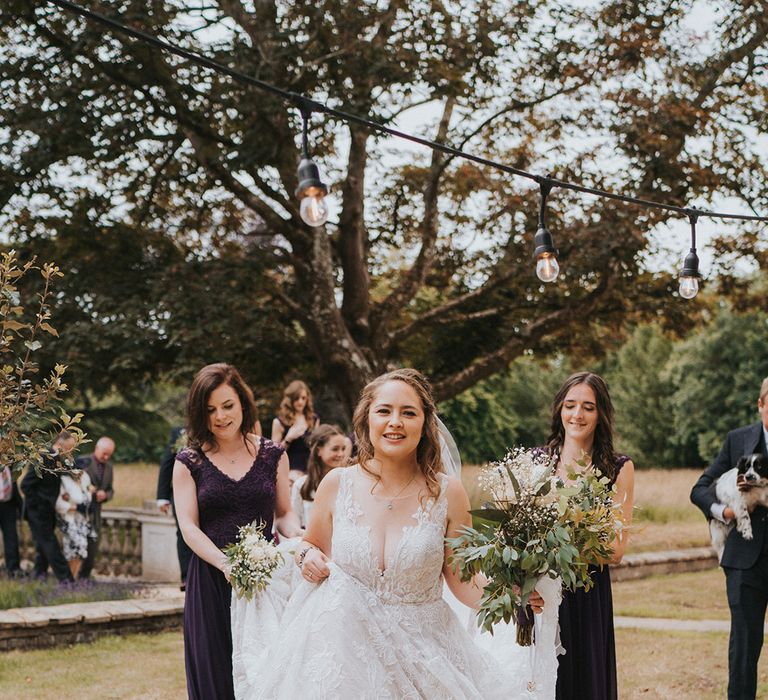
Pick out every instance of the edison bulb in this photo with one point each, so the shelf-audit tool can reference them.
(689, 287)
(314, 211)
(547, 268)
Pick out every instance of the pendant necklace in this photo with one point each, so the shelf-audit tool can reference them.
(392, 500)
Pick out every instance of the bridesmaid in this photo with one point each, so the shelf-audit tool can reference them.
(295, 421)
(226, 478)
(582, 426)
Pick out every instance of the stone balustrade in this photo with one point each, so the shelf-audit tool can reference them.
(135, 542)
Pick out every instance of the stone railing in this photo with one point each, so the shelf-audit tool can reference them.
(134, 542)
(119, 548)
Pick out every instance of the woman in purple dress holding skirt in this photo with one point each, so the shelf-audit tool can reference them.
(227, 477)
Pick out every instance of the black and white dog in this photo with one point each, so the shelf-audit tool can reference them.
(740, 489)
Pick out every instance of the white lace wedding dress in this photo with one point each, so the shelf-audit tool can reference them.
(369, 632)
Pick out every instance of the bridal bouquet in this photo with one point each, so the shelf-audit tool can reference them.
(535, 526)
(252, 560)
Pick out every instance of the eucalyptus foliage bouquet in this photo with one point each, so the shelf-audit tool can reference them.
(535, 526)
(252, 560)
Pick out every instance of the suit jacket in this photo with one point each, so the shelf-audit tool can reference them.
(88, 463)
(165, 475)
(43, 490)
(738, 553)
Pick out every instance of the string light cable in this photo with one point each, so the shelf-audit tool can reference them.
(311, 191)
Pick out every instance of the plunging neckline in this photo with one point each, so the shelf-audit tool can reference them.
(374, 560)
(248, 471)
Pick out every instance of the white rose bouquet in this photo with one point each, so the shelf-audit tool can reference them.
(252, 560)
(535, 526)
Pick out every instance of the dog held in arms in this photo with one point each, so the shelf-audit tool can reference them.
(741, 489)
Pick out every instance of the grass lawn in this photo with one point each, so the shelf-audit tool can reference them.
(670, 596)
(681, 665)
(135, 667)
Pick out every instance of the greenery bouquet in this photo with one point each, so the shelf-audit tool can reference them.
(536, 526)
(252, 560)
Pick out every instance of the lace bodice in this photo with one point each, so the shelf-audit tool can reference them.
(412, 571)
(224, 503)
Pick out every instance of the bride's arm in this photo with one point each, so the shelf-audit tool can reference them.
(286, 521)
(313, 554)
(468, 592)
(185, 504)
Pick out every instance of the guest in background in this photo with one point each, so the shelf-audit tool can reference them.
(176, 443)
(327, 450)
(40, 495)
(294, 423)
(73, 519)
(10, 509)
(100, 470)
(744, 562)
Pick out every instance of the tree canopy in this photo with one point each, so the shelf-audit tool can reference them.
(165, 191)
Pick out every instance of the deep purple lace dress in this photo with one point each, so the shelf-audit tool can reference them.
(587, 671)
(224, 504)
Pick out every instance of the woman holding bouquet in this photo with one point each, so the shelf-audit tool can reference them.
(226, 478)
(369, 621)
(582, 433)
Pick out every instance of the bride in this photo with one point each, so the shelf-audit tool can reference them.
(369, 619)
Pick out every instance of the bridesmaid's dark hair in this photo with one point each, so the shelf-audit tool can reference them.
(206, 381)
(603, 454)
(428, 450)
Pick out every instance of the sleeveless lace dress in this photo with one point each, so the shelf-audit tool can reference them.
(368, 631)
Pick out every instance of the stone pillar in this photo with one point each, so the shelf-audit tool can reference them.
(159, 560)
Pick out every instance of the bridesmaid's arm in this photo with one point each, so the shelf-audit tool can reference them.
(625, 494)
(468, 592)
(185, 504)
(286, 521)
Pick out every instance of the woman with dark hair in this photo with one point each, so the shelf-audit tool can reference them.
(226, 478)
(582, 434)
(295, 421)
(369, 619)
(327, 450)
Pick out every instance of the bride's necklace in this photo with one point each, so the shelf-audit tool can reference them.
(392, 499)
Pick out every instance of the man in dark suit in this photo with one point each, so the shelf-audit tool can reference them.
(40, 494)
(165, 498)
(99, 468)
(10, 508)
(745, 562)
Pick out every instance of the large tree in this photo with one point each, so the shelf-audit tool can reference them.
(427, 258)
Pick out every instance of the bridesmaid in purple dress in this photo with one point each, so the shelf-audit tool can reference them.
(582, 426)
(226, 478)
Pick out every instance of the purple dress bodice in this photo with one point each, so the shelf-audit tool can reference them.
(224, 504)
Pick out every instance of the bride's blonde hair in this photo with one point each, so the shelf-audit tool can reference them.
(428, 450)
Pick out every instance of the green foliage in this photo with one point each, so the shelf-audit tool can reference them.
(717, 373)
(511, 408)
(643, 398)
(28, 402)
(24, 594)
(535, 528)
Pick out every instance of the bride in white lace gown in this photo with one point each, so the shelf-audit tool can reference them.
(369, 620)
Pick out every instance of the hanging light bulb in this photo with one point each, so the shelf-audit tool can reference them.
(689, 276)
(545, 253)
(311, 191)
